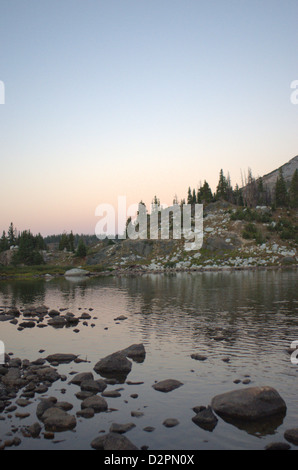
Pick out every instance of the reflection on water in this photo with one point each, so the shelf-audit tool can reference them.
(243, 322)
(22, 292)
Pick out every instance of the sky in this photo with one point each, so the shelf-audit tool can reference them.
(135, 98)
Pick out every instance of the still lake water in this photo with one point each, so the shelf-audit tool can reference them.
(173, 316)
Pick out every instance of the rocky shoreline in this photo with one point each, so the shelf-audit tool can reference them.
(139, 271)
(25, 384)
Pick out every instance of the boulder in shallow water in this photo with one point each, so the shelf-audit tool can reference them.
(249, 404)
(95, 402)
(57, 420)
(76, 272)
(114, 364)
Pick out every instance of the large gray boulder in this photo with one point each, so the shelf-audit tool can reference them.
(249, 404)
(76, 272)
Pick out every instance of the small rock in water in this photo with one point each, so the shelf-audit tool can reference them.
(206, 419)
(111, 394)
(170, 422)
(167, 385)
(198, 357)
(34, 430)
(97, 403)
(137, 414)
(121, 318)
(121, 428)
(149, 429)
(86, 413)
(291, 435)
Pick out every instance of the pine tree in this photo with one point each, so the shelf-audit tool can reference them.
(238, 196)
(28, 252)
(64, 242)
(11, 235)
(189, 196)
(81, 249)
(205, 194)
(4, 244)
(222, 187)
(293, 191)
(281, 194)
(194, 197)
(71, 242)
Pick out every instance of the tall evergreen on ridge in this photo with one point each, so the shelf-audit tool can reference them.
(204, 194)
(281, 193)
(293, 191)
(222, 187)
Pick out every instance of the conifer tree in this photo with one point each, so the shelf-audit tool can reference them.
(4, 244)
(222, 187)
(281, 194)
(293, 191)
(11, 235)
(81, 249)
(71, 242)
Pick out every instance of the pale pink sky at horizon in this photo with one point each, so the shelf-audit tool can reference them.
(137, 99)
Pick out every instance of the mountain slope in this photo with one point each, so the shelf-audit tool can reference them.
(288, 170)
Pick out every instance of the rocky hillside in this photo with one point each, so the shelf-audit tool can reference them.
(288, 170)
(233, 238)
